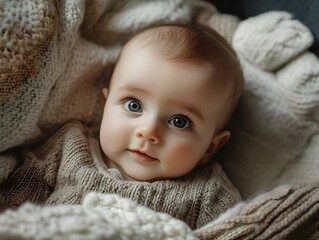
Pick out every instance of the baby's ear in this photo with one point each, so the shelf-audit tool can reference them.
(105, 92)
(217, 142)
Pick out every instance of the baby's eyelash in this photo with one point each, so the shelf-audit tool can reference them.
(132, 97)
(189, 119)
(129, 97)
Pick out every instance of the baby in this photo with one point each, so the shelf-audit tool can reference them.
(173, 89)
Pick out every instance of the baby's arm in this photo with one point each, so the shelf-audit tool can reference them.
(31, 181)
(35, 179)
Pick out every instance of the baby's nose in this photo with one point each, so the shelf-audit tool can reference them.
(150, 133)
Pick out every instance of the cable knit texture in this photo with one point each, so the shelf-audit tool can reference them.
(55, 56)
(255, 39)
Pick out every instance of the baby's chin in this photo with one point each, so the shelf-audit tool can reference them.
(138, 174)
(146, 178)
(131, 175)
(139, 178)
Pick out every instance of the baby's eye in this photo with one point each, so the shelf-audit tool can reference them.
(180, 122)
(133, 106)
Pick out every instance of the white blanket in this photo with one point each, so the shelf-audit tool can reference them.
(276, 128)
(101, 216)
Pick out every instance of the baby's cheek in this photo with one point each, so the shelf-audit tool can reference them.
(112, 134)
(179, 151)
(183, 155)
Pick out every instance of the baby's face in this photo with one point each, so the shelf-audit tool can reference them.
(160, 116)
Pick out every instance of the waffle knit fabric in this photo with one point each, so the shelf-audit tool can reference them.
(99, 217)
(62, 171)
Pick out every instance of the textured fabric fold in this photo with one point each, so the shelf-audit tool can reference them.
(271, 39)
(288, 212)
(99, 217)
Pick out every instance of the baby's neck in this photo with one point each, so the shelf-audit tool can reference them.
(111, 164)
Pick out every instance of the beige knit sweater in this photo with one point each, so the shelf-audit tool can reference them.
(62, 171)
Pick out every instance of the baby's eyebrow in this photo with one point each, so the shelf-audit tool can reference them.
(192, 110)
(133, 89)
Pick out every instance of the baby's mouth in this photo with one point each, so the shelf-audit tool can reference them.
(142, 157)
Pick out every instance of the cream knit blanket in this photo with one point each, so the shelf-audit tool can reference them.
(55, 56)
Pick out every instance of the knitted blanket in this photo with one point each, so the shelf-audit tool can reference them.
(55, 56)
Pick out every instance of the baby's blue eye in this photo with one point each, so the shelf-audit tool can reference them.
(133, 106)
(179, 122)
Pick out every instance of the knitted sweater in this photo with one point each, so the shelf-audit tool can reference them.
(63, 171)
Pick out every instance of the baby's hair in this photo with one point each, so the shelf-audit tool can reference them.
(197, 43)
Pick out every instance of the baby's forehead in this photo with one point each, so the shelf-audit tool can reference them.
(173, 42)
(216, 81)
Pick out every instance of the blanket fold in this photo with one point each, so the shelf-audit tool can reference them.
(271, 39)
(288, 212)
(275, 129)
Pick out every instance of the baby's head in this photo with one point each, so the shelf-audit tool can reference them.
(172, 91)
